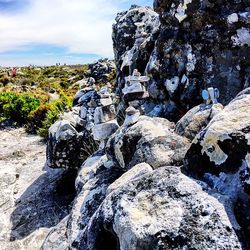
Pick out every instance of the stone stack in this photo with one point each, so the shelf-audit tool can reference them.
(134, 88)
(105, 123)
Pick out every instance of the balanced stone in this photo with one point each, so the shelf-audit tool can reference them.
(132, 116)
(105, 130)
(134, 89)
(104, 114)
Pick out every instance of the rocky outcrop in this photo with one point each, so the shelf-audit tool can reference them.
(162, 209)
(133, 192)
(134, 35)
(219, 154)
(194, 47)
(149, 140)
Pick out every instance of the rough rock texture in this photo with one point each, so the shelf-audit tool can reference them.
(220, 155)
(31, 198)
(149, 140)
(134, 34)
(201, 45)
(91, 185)
(196, 119)
(194, 47)
(103, 70)
(69, 143)
(170, 212)
(224, 143)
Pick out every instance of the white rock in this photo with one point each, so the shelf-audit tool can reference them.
(233, 18)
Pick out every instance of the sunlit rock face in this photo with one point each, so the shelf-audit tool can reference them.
(219, 155)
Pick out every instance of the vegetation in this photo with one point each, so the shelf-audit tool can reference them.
(36, 96)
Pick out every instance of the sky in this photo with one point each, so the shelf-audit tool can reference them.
(46, 32)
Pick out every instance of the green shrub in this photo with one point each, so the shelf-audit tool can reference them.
(54, 109)
(17, 107)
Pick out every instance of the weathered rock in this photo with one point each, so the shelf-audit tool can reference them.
(92, 182)
(224, 143)
(196, 119)
(68, 145)
(103, 70)
(135, 172)
(82, 92)
(198, 48)
(193, 48)
(149, 140)
(134, 34)
(220, 155)
(163, 209)
(105, 130)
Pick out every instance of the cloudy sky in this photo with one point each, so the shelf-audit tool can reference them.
(44, 32)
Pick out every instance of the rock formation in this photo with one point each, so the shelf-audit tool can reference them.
(194, 47)
(149, 183)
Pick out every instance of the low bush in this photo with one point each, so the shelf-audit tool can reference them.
(40, 120)
(17, 107)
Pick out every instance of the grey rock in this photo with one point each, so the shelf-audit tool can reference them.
(149, 140)
(196, 119)
(163, 209)
(68, 146)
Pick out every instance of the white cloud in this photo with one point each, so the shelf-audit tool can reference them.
(82, 26)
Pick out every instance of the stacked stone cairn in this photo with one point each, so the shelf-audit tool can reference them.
(134, 91)
(105, 123)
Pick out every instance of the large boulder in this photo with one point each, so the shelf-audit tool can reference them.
(69, 143)
(196, 119)
(224, 144)
(219, 155)
(163, 209)
(149, 140)
(201, 44)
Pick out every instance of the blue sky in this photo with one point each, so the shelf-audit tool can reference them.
(44, 32)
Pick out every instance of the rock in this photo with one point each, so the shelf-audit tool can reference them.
(196, 119)
(105, 130)
(81, 93)
(134, 34)
(224, 143)
(132, 116)
(197, 48)
(68, 146)
(135, 172)
(163, 209)
(192, 49)
(92, 183)
(104, 114)
(103, 70)
(219, 155)
(149, 140)
(57, 238)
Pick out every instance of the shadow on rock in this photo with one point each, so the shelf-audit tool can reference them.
(44, 203)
